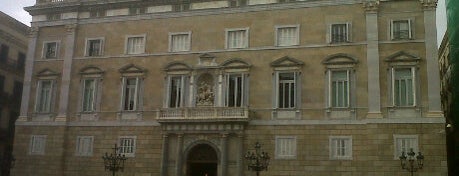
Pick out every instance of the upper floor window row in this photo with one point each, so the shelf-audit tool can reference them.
(235, 38)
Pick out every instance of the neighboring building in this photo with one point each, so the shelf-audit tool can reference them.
(187, 87)
(448, 60)
(13, 49)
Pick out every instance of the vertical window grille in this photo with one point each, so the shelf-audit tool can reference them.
(130, 94)
(180, 42)
(89, 94)
(286, 90)
(176, 85)
(339, 88)
(235, 91)
(44, 92)
(403, 87)
(237, 39)
(339, 33)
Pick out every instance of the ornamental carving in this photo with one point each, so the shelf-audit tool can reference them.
(205, 94)
(371, 6)
(429, 4)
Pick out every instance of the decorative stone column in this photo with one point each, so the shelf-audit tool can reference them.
(239, 160)
(374, 92)
(32, 46)
(433, 77)
(165, 155)
(224, 150)
(178, 162)
(66, 72)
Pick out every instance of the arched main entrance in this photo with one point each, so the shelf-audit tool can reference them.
(202, 160)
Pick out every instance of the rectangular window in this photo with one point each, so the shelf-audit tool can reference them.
(180, 42)
(401, 29)
(130, 94)
(237, 38)
(339, 91)
(237, 3)
(286, 90)
(341, 147)
(97, 13)
(287, 36)
(50, 50)
(44, 96)
(94, 47)
(4, 52)
(54, 16)
(285, 147)
(89, 95)
(135, 45)
(84, 145)
(339, 33)
(37, 145)
(127, 145)
(404, 143)
(21, 60)
(403, 87)
(136, 10)
(235, 90)
(176, 91)
(184, 5)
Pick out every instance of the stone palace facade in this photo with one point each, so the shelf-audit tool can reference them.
(187, 87)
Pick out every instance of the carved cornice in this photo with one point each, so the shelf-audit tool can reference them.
(371, 6)
(429, 4)
(33, 32)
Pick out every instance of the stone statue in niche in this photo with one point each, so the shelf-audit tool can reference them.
(205, 91)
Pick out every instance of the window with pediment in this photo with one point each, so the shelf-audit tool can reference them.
(286, 87)
(403, 79)
(46, 91)
(340, 85)
(90, 89)
(236, 83)
(132, 77)
(177, 84)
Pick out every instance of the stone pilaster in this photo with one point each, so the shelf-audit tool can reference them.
(165, 155)
(66, 72)
(32, 46)
(433, 77)
(224, 154)
(179, 162)
(374, 92)
(240, 156)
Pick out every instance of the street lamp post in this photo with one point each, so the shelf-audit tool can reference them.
(258, 160)
(114, 162)
(414, 163)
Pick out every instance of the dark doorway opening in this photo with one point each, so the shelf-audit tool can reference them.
(202, 161)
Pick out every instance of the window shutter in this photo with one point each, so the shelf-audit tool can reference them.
(348, 32)
(275, 90)
(53, 95)
(246, 90)
(123, 94)
(329, 91)
(392, 84)
(328, 37)
(410, 29)
(348, 88)
(413, 77)
(391, 28)
(297, 90)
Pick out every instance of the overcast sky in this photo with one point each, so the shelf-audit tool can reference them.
(14, 8)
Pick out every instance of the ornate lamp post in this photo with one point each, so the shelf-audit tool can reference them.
(410, 161)
(258, 160)
(114, 162)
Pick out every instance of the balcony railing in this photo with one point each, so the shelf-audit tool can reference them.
(211, 113)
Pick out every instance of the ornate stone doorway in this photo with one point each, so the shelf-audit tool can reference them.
(202, 161)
